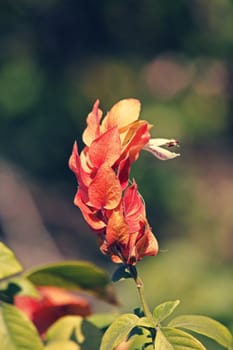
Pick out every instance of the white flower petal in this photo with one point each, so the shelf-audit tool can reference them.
(161, 153)
(162, 142)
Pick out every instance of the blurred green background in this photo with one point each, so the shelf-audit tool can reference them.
(56, 58)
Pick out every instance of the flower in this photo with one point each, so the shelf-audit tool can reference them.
(51, 304)
(112, 207)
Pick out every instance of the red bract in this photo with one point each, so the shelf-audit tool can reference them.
(52, 304)
(128, 235)
(112, 208)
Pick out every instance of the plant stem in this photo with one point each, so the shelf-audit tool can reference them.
(140, 288)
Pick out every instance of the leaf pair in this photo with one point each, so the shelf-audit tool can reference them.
(169, 337)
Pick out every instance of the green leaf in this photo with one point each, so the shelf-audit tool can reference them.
(168, 338)
(205, 326)
(16, 331)
(66, 328)
(62, 345)
(164, 310)
(9, 265)
(118, 331)
(74, 275)
(102, 321)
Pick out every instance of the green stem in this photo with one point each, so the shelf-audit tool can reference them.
(140, 288)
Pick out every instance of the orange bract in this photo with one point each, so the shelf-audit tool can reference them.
(106, 148)
(123, 113)
(93, 125)
(105, 190)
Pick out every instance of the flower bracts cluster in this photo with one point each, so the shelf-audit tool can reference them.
(109, 202)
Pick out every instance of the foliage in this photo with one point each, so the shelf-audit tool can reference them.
(18, 332)
(76, 332)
